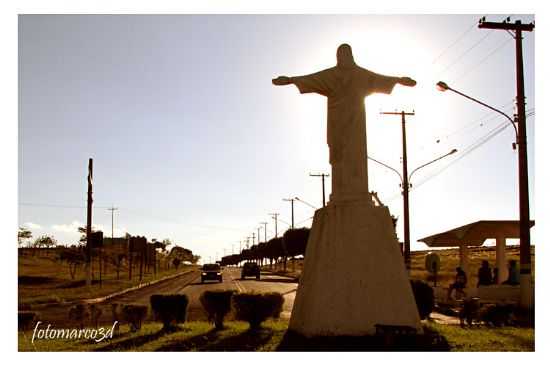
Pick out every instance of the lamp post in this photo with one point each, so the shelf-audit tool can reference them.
(523, 177)
(305, 202)
(405, 185)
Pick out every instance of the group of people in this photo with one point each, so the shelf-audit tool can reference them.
(484, 277)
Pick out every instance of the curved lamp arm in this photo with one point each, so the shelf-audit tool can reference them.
(305, 202)
(388, 167)
(432, 161)
(442, 86)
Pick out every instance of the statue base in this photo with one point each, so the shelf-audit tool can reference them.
(354, 276)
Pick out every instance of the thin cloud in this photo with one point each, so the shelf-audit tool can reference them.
(67, 228)
(31, 225)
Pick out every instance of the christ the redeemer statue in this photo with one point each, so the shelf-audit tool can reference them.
(346, 85)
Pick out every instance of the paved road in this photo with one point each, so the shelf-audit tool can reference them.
(231, 280)
(190, 285)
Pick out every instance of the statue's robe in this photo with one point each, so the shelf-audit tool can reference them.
(346, 89)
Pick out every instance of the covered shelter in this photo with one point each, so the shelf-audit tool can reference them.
(474, 235)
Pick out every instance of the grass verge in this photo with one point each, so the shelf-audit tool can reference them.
(201, 336)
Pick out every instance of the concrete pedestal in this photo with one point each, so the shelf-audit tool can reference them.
(354, 276)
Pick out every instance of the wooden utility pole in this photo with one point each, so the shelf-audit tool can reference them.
(406, 186)
(89, 225)
(265, 231)
(517, 28)
(292, 211)
(274, 216)
(322, 175)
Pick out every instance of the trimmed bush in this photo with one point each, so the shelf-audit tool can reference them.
(217, 305)
(169, 308)
(79, 314)
(255, 308)
(134, 315)
(424, 297)
(25, 319)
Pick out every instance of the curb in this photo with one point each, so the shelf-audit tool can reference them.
(134, 288)
(116, 294)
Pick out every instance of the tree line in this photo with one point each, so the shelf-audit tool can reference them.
(293, 243)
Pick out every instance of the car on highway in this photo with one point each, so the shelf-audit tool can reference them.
(211, 272)
(250, 269)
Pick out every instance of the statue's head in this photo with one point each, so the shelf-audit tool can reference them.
(344, 56)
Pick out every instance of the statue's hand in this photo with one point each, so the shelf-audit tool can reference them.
(282, 80)
(406, 81)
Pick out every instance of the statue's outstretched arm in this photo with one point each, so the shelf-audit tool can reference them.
(406, 81)
(282, 80)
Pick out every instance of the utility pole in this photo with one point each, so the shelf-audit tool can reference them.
(247, 240)
(265, 231)
(253, 238)
(112, 210)
(322, 175)
(89, 224)
(406, 186)
(274, 216)
(292, 211)
(524, 222)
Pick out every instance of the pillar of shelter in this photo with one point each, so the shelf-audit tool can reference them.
(501, 259)
(464, 262)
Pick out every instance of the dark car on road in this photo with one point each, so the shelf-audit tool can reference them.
(250, 269)
(211, 272)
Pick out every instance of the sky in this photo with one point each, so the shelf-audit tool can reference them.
(192, 142)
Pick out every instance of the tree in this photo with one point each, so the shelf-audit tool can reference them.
(74, 258)
(176, 262)
(83, 238)
(23, 234)
(45, 241)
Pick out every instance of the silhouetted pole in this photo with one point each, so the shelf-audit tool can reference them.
(322, 175)
(292, 211)
(112, 210)
(265, 231)
(89, 224)
(253, 238)
(406, 186)
(275, 216)
(524, 221)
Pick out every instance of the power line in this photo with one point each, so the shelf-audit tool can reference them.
(454, 43)
(500, 128)
(472, 147)
(465, 53)
(479, 63)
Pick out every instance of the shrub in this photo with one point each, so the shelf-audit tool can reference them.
(255, 308)
(134, 315)
(170, 308)
(424, 297)
(79, 313)
(497, 315)
(217, 305)
(25, 319)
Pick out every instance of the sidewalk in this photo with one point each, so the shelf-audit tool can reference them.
(440, 318)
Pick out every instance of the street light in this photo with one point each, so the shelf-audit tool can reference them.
(523, 177)
(305, 202)
(406, 186)
(442, 87)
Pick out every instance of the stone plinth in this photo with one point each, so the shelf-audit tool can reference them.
(354, 276)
